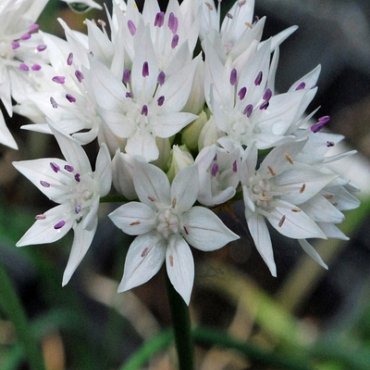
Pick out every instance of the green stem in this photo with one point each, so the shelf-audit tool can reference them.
(182, 329)
(13, 308)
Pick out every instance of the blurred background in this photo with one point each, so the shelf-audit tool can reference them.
(321, 318)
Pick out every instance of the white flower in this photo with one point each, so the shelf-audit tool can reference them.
(165, 223)
(82, 6)
(218, 175)
(76, 188)
(280, 191)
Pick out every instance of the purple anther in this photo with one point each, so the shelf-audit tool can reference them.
(126, 76)
(128, 95)
(53, 102)
(41, 47)
(242, 93)
(40, 217)
(70, 59)
(215, 157)
(77, 177)
(160, 100)
(329, 144)
(54, 167)
(36, 67)
(144, 110)
(34, 27)
(161, 78)
(241, 3)
(59, 225)
(235, 166)
(186, 230)
(317, 127)
(173, 23)
(78, 209)
(324, 119)
(264, 105)
(301, 86)
(24, 67)
(233, 77)
(26, 36)
(59, 79)
(79, 75)
(175, 41)
(248, 110)
(70, 98)
(145, 69)
(15, 45)
(45, 184)
(258, 79)
(214, 169)
(159, 19)
(267, 95)
(256, 19)
(131, 27)
(68, 168)
(228, 15)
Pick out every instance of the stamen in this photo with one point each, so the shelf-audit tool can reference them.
(209, 6)
(329, 144)
(160, 101)
(159, 19)
(126, 76)
(34, 27)
(68, 168)
(171, 260)
(265, 198)
(233, 77)
(53, 103)
(161, 78)
(301, 86)
(324, 119)
(145, 252)
(128, 95)
(78, 209)
(281, 222)
(59, 79)
(54, 167)
(71, 98)
(186, 230)
(26, 36)
(235, 166)
(70, 59)
(15, 45)
(152, 199)
(145, 71)
(174, 202)
(79, 75)
(45, 184)
(289, 158)
(131, 27)
(24, 67)
(175, 41)
(41, 47)
(40, 217)
(77, 177)
(296, 210)
(241, 3)
(144, 110)
(258, 79)
(242, 93)
(228, 15)
(267, 95)
(271, 171)
(264, 105)
(302, 189)
(173, 23)
(335, 204)
(36, 67)
(59, 225)
(248, 110)
(214, 169)
(135, 223)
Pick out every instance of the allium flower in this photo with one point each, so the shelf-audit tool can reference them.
(166, 223)
(77, 189)
(20, 48)
(276, 191)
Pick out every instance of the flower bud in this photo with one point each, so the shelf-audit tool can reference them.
(190, 135)
(181, 158)
(123, 166)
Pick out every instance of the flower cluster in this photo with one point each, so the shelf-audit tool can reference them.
(180, 131)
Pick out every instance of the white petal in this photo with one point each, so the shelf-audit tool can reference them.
(6, 137)
(204, 230)
(180, 266)
(151, 184)
(142, 144)
(184, 189)
(261, 237)
(81, 243)
(134, 218)
(170, 124)
(103, 170)
(307, 247)
(144, 259)
(43, 231)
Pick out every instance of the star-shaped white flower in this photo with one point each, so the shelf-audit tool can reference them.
(166, 223)
(76, 188)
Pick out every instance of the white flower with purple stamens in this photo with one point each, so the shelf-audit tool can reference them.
(275, 193)
(166, 223)
(76, 188)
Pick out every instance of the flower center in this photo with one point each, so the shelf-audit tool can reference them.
(168, 223)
